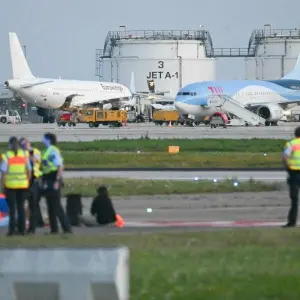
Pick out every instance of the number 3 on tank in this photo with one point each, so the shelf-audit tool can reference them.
(161, 64)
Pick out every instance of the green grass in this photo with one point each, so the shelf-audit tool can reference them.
(145, 153)
(255, 264)
(186, 145)
(91, 159)
(128, 187)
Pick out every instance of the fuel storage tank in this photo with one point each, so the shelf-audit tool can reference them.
(171, 58)
(275, 52)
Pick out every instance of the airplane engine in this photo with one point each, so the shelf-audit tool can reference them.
(271, 112)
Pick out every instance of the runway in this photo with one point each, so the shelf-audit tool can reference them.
(267, 176)
(135, 131)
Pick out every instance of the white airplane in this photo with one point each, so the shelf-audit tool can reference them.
(47, 93)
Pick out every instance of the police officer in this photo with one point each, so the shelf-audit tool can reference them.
(34, 155)
(52, 169)
(291, 160)
(16, 171)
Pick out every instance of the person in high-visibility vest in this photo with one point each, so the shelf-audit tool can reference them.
(34, 211)
(52, 169)
(15, 176)
(291, 160)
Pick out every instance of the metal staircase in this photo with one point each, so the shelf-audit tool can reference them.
(229, 105)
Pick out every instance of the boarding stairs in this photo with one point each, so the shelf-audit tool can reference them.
(229, 105)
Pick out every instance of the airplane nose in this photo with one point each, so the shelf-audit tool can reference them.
(181, 106)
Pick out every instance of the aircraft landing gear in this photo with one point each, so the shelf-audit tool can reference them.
(273, 123)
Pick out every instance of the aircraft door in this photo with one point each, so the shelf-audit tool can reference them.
(213, 101)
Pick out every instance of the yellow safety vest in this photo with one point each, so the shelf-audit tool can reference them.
(47, 165)
(294, 160)
(16, 176)
(37, 165)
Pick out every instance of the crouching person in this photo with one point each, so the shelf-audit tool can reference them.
(102, 211)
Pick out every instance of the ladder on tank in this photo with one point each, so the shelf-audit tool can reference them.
(229, 105)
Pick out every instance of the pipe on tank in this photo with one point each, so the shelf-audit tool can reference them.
(180, 71)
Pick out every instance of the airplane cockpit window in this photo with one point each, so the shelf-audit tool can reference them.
(179, 94)
(287, 83)
(185, 93)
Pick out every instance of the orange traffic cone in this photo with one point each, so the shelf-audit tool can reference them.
(120, 221)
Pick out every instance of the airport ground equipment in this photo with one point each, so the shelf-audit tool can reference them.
(224, 120)
(94, 117)
(67, 118)
(218, 119)
(161, 117)
(229, 105)
(10, 116)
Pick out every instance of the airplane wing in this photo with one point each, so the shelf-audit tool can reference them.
(77, 100)
(158, 97)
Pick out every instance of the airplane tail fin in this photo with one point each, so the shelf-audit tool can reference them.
(295, 73)
(20, 68)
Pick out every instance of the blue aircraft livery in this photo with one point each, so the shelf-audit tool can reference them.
(193, 99)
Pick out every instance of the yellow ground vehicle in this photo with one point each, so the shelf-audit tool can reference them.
(165, 116)
(94, 117)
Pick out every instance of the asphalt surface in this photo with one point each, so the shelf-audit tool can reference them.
(140, 210)
(146, 214)
(134, 131)
(268, 176)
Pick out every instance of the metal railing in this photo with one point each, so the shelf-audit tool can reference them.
(114, 36)
(259, 34)
(230, 52)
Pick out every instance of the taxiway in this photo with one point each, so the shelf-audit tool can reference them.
(195, 212)
(135, 131)
(267, 176)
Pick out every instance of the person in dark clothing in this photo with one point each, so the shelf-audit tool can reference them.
(52, 181)
(102, 210)
(291, 160)
(33, 196)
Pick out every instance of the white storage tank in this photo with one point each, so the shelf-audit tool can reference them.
(275, 53)
(171, 58)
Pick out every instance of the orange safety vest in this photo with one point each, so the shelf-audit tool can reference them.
(16, 176)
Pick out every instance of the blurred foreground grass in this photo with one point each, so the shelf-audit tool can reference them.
(254, 264)
(128, 187)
